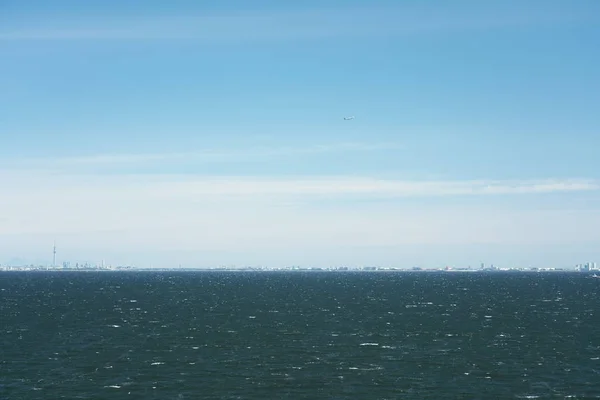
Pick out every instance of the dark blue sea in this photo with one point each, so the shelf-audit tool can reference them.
(299, 335)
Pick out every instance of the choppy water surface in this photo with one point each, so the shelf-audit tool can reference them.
(220, 335)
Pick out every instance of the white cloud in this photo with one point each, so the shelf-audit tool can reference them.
(273, 25)
(172, 187)
(141, 215)
(252, 153)
(78, 198)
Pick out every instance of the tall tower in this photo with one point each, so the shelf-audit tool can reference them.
(54, 255)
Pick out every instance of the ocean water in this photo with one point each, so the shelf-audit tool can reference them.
(299, 335)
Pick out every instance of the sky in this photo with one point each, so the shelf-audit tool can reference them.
(212, 133)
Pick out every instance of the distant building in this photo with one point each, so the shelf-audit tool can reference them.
(590, 266)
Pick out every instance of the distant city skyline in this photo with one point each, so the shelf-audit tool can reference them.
(68, 266)
(204, 135)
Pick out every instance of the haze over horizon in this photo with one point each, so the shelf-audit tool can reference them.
(208, 134)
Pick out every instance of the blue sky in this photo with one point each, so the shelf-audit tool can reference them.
(208, 133)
